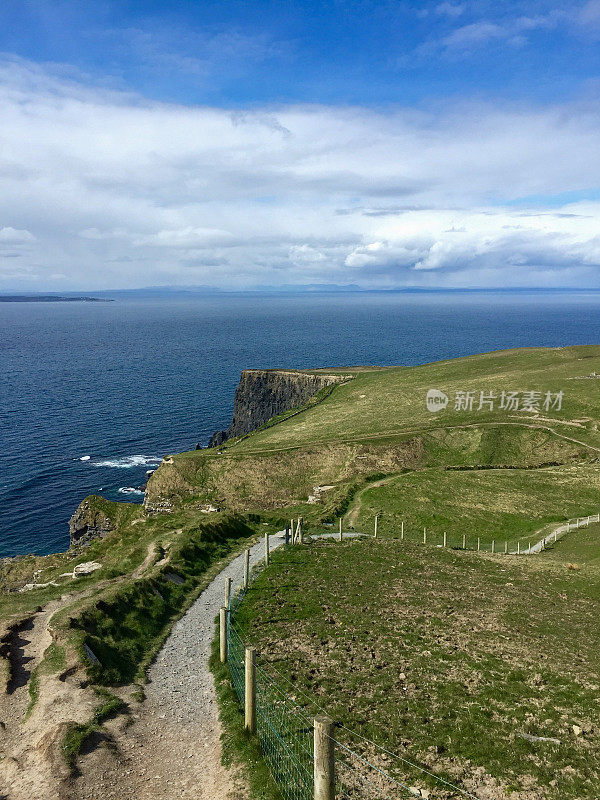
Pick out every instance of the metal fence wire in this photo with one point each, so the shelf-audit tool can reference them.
(284, 729)
(286, 734)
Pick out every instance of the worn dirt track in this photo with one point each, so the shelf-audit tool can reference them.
(172, 749)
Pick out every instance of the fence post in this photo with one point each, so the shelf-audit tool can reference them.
(341, 534)
(505, 547)
(250, 690)
(227, 591)
(267, 553)
(478, 543)
(301, 529)
(287, 534)
(424, 535)
(519, 548)
(292, 529)
(445, 539)
(529, 548)
(493, 545)
(223, 634)
(376, 518)
(324, 764)
(402, 530)
(246, 568)
(464, 542)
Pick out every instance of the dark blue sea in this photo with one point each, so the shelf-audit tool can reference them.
(94, 394)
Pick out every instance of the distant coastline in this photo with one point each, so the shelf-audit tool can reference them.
(50, 298)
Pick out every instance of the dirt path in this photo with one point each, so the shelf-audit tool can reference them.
(31, 765)
(352, 515)
(172, 750)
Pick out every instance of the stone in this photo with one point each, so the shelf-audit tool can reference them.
(89, 522)
(86, 568)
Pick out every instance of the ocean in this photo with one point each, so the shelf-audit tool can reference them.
(94, 394)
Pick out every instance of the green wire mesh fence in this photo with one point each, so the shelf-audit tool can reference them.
(363, 771)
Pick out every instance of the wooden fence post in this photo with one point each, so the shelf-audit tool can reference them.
(341, 534)
(376, 518)
(464, 542)
(478, 543)
(493, 545)
(424, 535)
(324, 763)
(267, 552)
(402, 530)
(227, 591)
(518, 548)
(301, 530)
(223, 634)
(287, 534)
(529, 548)
(505, 547)
(246, 568)
(445, 538)
(292, 529)
(250, 690)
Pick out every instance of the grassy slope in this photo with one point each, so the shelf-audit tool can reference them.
(377, 424)
(489, 504)
(392, 401)
(445, 657)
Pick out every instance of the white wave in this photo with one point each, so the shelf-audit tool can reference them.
(85, 458)
(130, 490)
(129, 461)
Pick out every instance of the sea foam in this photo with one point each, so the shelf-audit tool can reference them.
(126, 462)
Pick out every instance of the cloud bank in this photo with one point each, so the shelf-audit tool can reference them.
(102, 189)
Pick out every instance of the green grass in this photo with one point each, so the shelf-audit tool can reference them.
(385, 402)
(127, 625)
(77, 734)
(581, 547)
(504, 505)
(239, 748)
(54, 661)
(378, 422)
(442, 656)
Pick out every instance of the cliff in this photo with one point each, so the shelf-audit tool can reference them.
(264, 393)
(90, 521)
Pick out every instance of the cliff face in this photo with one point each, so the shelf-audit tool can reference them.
(262, 394)
(89, 522)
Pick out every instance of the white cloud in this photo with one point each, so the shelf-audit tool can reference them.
(14, 236)
(110, 190)
(513, 31)
(450, 9)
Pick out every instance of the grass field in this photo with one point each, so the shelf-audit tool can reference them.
(378, 423)
(500, 505)
(445, 657)
(391, 401)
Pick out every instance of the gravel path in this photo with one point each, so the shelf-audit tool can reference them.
(172, 750)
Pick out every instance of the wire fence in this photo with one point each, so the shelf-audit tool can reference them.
(285, 721)
(524, 545)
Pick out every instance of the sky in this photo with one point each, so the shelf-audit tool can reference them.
(449, 144)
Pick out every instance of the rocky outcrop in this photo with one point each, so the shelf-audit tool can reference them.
(89, 522)
(264, 393)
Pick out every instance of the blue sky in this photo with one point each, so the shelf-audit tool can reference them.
(246, 53)
(248, 143)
